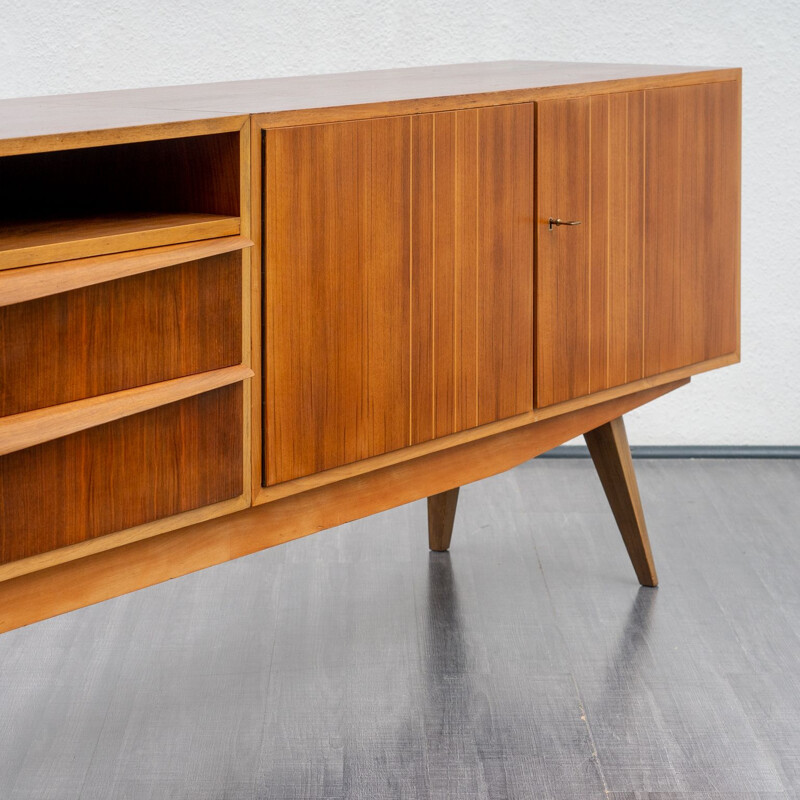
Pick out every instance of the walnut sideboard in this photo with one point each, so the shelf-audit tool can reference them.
(235, 314)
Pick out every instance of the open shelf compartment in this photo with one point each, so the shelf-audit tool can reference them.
(91, 201)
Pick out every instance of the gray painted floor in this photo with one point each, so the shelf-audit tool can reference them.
(526, 663)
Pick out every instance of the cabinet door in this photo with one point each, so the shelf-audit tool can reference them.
(398, 283)
(648, 281)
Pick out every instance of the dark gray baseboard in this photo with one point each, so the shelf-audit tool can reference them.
(687, 451)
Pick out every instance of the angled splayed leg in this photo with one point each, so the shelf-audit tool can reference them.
(608, 446)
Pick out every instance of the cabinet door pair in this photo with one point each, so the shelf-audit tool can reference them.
(648, 282)
(412, 274)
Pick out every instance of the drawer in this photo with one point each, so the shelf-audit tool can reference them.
(120, 334)
(133, 470)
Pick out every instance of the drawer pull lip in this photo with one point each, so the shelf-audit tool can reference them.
(553, 222)
(30, 283)
(20, 431)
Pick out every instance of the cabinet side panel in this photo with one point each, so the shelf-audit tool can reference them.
(691, 224)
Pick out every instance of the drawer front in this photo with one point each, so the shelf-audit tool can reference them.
(118, 335)
(128, 472)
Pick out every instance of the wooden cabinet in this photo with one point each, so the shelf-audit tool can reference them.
(647, 283)
(320, 298)
(398, 283)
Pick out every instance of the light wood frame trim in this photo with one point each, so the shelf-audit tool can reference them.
(30, 283)
(29, 596)
(221, 122)
(62, 555)
(247, 305)
(255, 220)
(30, 428)
(118, 243)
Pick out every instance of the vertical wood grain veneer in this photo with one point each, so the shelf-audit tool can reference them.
(404, 309)
(336, 294)
(691, 224)
(648, 282)
(590, 276)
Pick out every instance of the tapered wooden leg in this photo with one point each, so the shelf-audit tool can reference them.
(608, 446)
(441, 514)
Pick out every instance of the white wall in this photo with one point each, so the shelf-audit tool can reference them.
(57, 46)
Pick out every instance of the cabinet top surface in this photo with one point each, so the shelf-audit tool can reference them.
(64, 115)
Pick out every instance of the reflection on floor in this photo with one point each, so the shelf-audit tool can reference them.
(526, 663)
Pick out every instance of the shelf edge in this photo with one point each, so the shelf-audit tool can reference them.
(30, 428)
(30, 283)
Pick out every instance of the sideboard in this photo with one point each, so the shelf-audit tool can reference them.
(239, 313)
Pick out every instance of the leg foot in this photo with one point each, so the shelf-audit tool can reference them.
(608, 446)
(441, 514)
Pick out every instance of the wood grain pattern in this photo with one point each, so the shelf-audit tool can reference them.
(405, 311)
(270, 493)
(505, 267)
(30, 283)
(25, 243)
(94, 482)
(590, 277)
(78, 583)
(691, 225)
(30, 428)
(59, 122)
(638, 288)
(337, 327)
(563, 290)
(143, 329)
(441, 516)
(608, 446)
